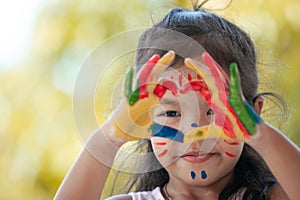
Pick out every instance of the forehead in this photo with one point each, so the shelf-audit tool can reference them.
(175, 73)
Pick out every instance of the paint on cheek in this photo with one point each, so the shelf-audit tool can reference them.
(203, 174)
(166, 132)
(162, 153)
(230, 154)
(160, 143)
(193, 174)
(231, 143)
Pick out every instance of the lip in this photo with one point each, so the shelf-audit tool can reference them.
(197, 157)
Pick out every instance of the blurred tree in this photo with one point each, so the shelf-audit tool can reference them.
(38, 137)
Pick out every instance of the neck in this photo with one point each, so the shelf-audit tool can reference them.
(176, 189)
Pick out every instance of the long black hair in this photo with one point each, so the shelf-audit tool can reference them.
(226, 43)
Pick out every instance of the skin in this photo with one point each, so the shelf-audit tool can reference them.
(131, 118)
(87, 177)
(177, 112)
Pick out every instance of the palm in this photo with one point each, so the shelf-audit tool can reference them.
(232, 112)
(132, 117)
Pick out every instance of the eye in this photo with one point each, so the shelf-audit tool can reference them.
(171, 114)
(210, 112)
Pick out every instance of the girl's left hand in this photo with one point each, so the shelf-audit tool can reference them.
(232, 113)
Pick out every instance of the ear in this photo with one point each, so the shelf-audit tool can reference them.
(258, 104)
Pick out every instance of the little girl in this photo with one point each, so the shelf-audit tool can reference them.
(207, 137)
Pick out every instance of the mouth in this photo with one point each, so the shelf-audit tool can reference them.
(197, 157)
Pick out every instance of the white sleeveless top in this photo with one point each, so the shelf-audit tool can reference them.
(147, 195)
(144, 195)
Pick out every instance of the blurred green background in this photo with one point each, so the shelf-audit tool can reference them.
(43, 45)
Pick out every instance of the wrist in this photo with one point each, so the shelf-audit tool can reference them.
(108, 130)
(262, 140)
(102, 146)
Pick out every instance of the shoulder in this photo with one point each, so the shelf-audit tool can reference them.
(276, 192)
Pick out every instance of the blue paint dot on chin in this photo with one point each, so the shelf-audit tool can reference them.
(203, 174)
(193, 175)
(194, 125)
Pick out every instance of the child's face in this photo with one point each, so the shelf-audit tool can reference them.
(202, 162)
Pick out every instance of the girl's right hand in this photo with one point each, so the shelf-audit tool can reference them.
(131, 119)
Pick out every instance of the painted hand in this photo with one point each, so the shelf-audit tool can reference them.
(232, 113)
(132, 117)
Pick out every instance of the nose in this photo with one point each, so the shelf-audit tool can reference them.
(203, 145)
(195, 120)
(204, 119)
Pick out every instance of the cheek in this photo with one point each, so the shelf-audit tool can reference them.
(160, 147)
(232, 149)
(164, 150)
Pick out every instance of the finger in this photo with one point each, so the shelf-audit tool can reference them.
(235, 90)
(128, 83)
(247, 115)
(219, 97)
(161, 66)
(144, 74)
(221, 79)
(201, 70)
(147, 69)
(216, 70)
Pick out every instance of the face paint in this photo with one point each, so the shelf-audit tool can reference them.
(203, 174)
(225, 116)
(231, 143)
(222, 119)
(166, 132)
(170, 85)
(160, 143)
(162, 153)
(159, 91)
(229, 154)
(197, 85)
(195, 134)
(194, 125)
(193, 174)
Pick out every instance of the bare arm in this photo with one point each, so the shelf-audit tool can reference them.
(281, 155)
(87, 177)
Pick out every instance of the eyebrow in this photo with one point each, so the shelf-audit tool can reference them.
(169, 101)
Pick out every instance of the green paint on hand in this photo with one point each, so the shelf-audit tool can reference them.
(244, 111)
(134, 97)
(128, 83)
